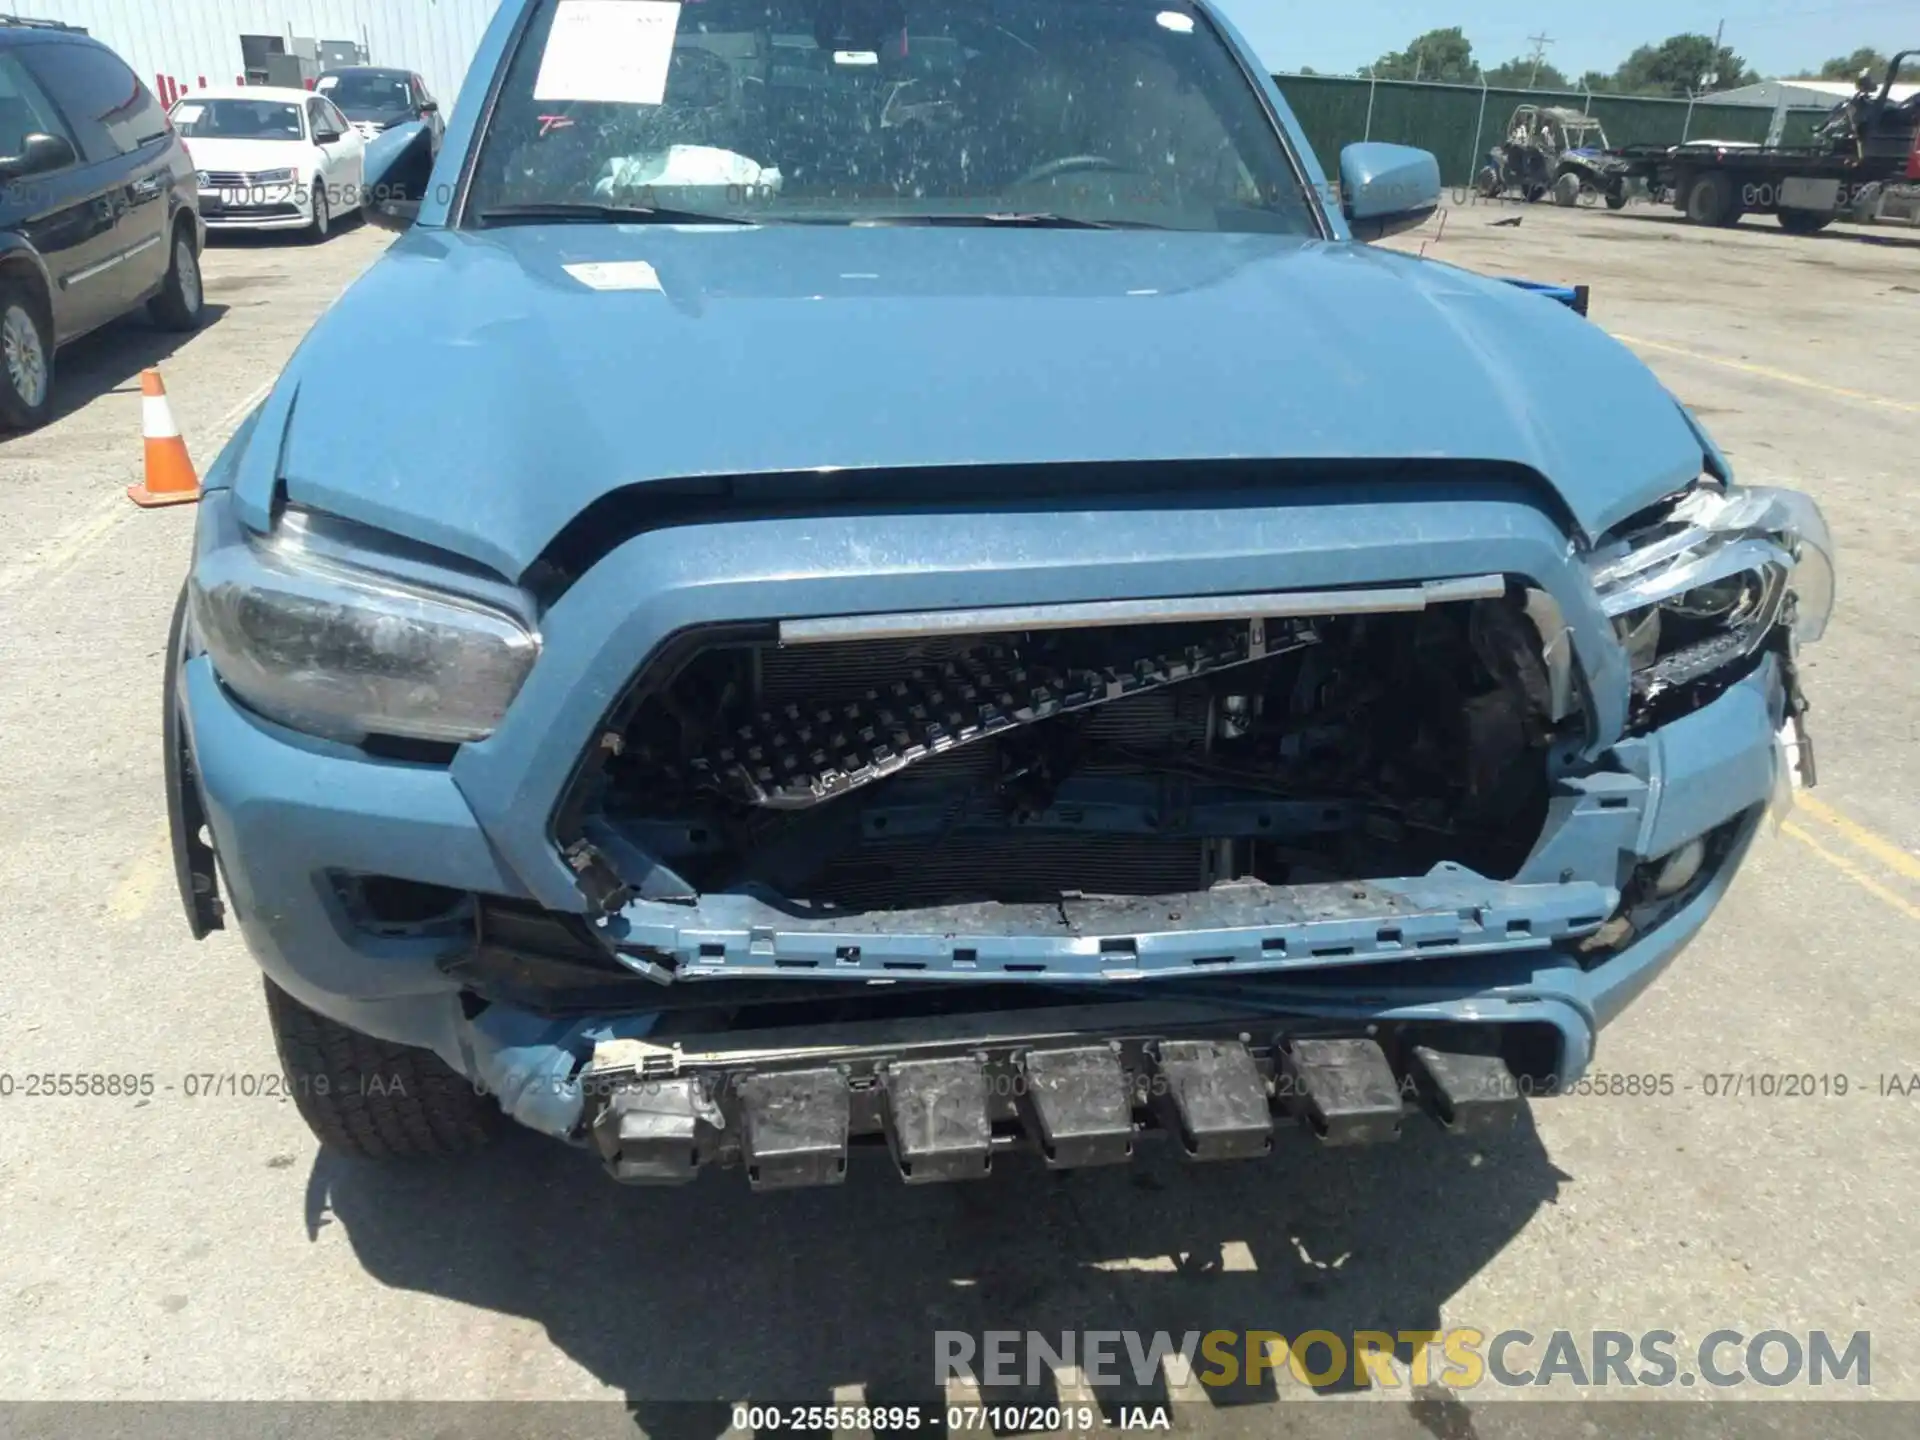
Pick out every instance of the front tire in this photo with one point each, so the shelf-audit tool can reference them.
(182, 297)
(26, 358)
(372, 1098)
(1616, 200)
(1711, 201)
(322, 215)
(1566, 190)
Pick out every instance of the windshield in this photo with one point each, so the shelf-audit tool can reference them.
(237, 120)
(367, 94)
(1130, 112)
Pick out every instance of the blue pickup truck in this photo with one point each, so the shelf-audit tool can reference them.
(927, 591)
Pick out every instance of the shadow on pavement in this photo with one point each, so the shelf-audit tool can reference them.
(715, 1294)
(111, 359)
(1763, 224)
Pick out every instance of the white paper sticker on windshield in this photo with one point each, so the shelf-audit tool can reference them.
(187, 114)
(613, 51)
(326, 83)
(1173, 20)
(855, 57)
(616, 275)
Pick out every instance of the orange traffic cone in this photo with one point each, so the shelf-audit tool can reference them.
(170, 476)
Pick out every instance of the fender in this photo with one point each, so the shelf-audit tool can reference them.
(17, 251)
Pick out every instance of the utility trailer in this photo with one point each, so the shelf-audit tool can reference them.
(1869, 141)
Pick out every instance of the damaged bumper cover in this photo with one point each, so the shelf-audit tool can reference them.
(1410, 981)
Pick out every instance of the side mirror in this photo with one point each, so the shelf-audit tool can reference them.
(1385, 189)
(429, 107)
(394, 215)
(326, 137)
(39, 154)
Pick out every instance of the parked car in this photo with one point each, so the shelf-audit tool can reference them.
(272, 158)
(97, 213)
(930, 590)
(377, 99)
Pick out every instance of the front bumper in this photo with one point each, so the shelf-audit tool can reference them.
(289, 814)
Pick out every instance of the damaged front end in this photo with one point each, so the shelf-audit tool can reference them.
(1060, 877)
(1091, 792)
(967, 881)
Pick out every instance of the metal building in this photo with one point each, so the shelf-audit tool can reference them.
(180, 45)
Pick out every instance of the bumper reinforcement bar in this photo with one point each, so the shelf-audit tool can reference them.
(659, 1114)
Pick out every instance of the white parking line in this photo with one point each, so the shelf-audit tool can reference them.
(65, 547)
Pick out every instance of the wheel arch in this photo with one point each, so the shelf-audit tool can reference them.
(20, 261)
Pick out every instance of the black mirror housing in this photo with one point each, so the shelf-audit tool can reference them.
(39, 154)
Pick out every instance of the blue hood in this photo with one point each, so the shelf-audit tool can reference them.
(511, 392)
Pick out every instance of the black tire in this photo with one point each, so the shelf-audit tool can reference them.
(182, 298)
(26, 356)
(1488, 182)
(1566, 189)
(1803, 222)
(322, 214)
(1712, 200)
(372, 1098)
(1616, 200)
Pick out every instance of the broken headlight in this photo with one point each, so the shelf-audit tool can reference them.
(1704, 582)
(326, 646)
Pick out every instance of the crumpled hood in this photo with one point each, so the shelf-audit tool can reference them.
(519, 374)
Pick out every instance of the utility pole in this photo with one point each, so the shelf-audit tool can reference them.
(1712, 77)
(1540, 43)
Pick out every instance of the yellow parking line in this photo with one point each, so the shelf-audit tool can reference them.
(1885, 851)
(69, 547)
(132, 895)
(1852, 871)
(1784, 376)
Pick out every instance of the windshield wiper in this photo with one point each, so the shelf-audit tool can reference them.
(1032, 220)
(567, 211)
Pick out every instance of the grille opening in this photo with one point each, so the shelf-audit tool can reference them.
(1037, 768)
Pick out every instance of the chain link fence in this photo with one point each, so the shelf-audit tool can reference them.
(1460, 123)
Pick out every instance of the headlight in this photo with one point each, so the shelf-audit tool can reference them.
(325, 646)
(1704, 583)
(271, 177)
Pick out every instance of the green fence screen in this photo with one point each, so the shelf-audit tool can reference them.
(1460, 123)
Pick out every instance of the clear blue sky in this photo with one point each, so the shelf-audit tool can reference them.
(1775, 37)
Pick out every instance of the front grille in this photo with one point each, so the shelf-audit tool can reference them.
(227, 180)
(214, 210)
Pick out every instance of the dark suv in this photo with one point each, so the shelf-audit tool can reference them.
(379, 98)
(98, 208)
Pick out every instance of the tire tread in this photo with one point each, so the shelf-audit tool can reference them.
(381, 1101)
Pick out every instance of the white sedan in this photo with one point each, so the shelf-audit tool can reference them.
(271, 159)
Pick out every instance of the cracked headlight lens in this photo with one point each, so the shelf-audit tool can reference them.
(330, 648)
(1704, 583)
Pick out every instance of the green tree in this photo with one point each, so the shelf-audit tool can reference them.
(1680, 65)
(1594, 82)
(1845, 67)
(1520, 73)
(1440, 55)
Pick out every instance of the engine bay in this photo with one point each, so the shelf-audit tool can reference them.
(1129, 760)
